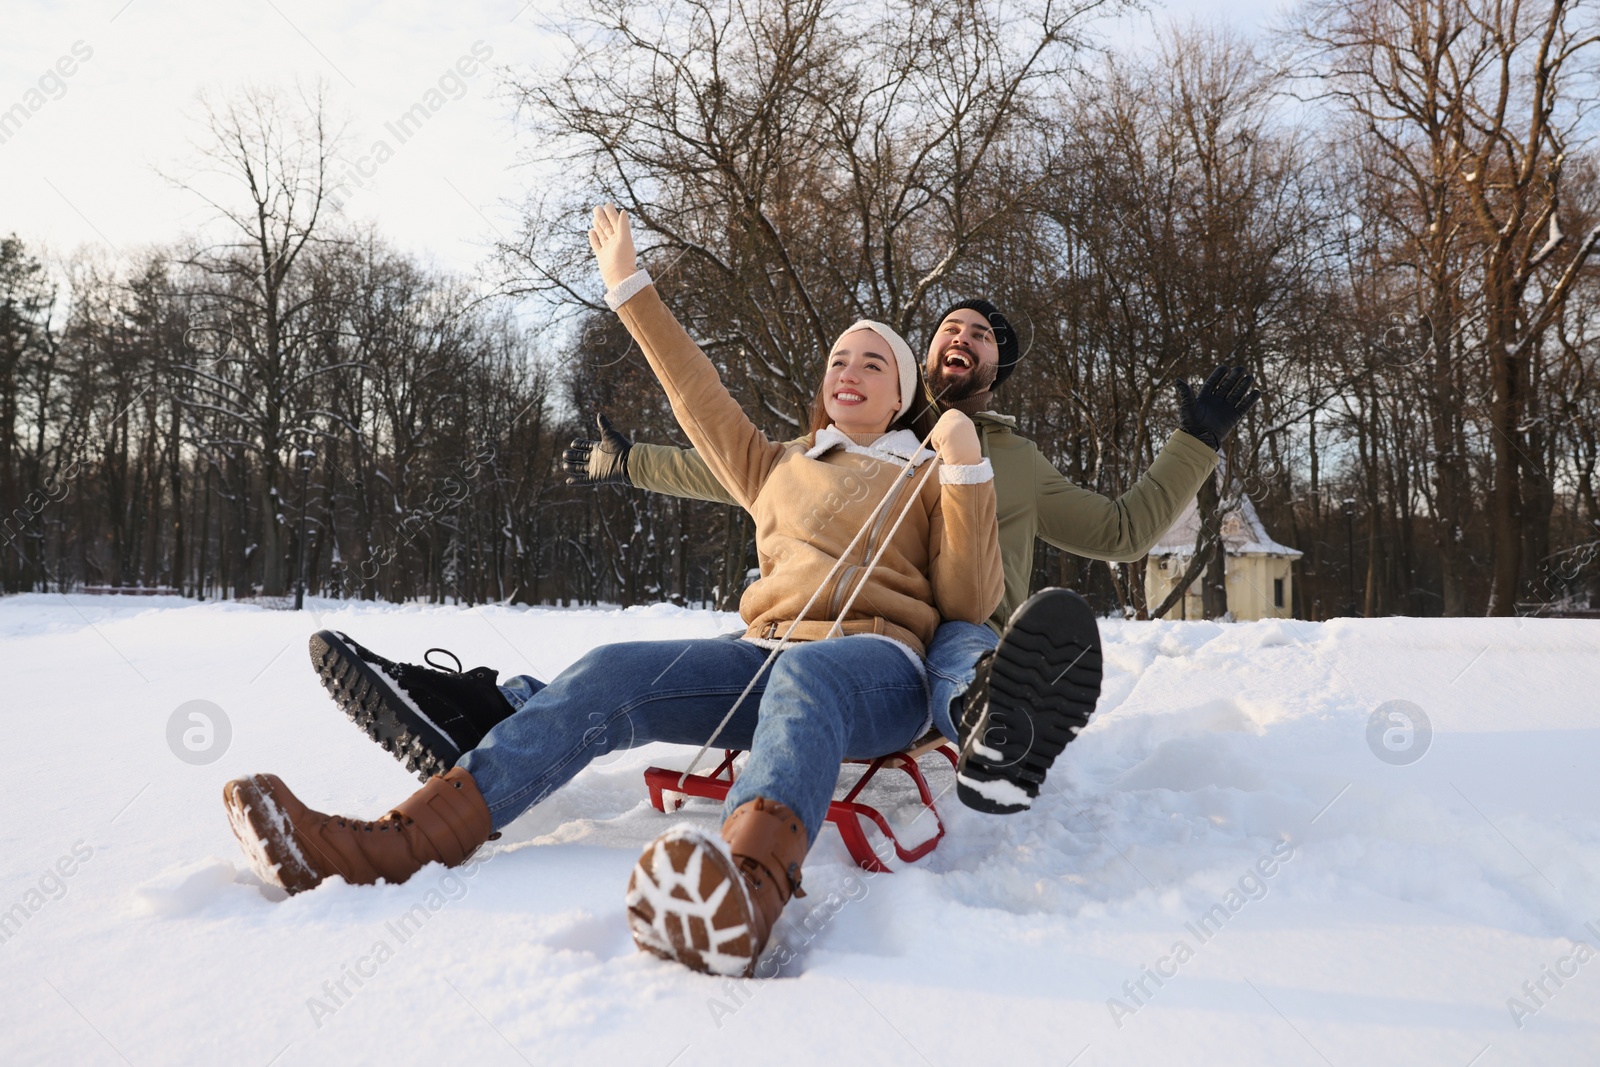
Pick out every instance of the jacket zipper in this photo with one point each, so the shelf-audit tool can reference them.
(842, 582)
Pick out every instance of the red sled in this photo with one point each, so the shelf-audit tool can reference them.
(845, 813)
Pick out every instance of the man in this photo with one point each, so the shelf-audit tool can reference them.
(1027, 682)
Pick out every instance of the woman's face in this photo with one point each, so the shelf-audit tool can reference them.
(861, 389)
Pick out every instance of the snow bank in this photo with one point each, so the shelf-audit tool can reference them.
(1233, 863)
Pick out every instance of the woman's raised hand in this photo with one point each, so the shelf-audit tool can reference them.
(612, 241)
(956, 440)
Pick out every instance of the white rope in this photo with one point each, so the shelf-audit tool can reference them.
(844, 612)
(783, 643)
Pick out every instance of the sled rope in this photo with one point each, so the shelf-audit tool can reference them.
(904, 472)
(844, 612)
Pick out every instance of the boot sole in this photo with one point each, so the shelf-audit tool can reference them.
(687, 902)
(373, 702)
(266, 835)
(1043, 685)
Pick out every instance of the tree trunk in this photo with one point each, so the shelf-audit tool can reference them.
(1449, 461)
(1214, 586)
(732, 584)
(1507, 374)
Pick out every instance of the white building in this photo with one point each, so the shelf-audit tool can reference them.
(1259, 569)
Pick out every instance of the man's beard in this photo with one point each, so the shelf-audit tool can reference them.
(950, 389)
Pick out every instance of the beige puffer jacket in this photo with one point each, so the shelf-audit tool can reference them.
(810, 497)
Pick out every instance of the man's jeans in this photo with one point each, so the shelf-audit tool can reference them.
(819, 703)
(952, 660)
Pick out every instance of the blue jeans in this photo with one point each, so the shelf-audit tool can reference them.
(819, 703)
(952, 659)
(519, 688)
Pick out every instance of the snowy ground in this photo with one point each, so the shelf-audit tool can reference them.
(1405, 907)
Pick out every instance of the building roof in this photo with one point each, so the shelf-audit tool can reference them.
(1242, 532)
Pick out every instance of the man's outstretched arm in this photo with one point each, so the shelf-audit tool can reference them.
(1122, 530)
(614, 460)
(1085, 523)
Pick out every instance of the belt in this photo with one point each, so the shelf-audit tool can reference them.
(816, 630)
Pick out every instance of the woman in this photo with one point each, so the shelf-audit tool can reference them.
(932, 550)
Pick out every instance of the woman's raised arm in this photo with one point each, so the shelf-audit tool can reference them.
(736, 451)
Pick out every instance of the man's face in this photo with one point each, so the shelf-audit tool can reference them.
(963, 357)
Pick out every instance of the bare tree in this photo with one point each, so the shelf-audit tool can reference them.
(273, 156)
(1473, 107)
(1187, 225)
(29, 402)
(799, 163)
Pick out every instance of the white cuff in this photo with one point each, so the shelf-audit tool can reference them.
(627, 288)
(966, 474)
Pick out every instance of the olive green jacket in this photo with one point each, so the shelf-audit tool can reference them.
(1033, 499)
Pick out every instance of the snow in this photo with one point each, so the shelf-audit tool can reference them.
(1551, 243)
(1220, 869)
(1242, 531)
(999, 792)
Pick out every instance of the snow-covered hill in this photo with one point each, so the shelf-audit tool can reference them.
(1231, 865)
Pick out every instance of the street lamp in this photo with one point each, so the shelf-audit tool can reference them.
(306, 456)
(1350, 550)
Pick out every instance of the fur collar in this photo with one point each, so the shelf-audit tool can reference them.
(898, 445)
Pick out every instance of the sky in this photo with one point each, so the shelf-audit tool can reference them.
(109, 104)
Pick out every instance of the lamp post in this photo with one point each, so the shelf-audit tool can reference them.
(1350, 550)
(306, 456)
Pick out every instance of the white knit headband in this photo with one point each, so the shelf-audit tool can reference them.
(905, 362)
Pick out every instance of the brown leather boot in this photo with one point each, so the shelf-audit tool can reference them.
(290, 845)
(711, 904)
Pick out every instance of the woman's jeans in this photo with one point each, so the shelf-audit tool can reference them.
(952, 660)
(818, 704)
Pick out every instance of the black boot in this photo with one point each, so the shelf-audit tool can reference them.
(1029, 697)
(424, 717)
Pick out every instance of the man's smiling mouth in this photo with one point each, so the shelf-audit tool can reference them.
(958, 359)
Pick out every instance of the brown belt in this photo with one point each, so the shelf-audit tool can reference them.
(816, 630)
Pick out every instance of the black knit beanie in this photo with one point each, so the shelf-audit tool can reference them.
(1005, 338)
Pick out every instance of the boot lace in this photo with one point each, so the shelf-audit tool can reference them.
(427, 657)
(479, 675)
(383, 824)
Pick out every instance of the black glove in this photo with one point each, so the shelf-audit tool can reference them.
(1219, 406)
(602, 462)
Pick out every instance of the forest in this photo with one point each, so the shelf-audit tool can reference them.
(1386, 209)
